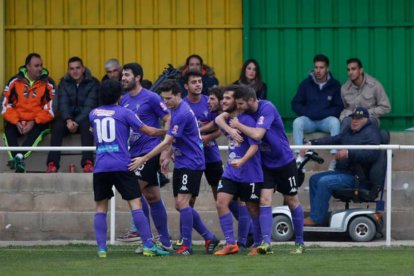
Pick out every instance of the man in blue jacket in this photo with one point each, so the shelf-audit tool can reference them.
(318, 103)
(351, 164)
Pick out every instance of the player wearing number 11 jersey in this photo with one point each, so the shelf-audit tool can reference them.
(111, 126)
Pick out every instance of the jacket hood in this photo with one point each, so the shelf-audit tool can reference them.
(205, 70)
(87, 76)
(313, 77)
(23, 72)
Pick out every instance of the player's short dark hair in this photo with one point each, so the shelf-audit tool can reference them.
(110, 92)
(244, 92)
(321, 58)
(29, 58)
(216, 91)
(75, 59)
(354, 60)
(170, 85)
(136, 69)
(191, 73)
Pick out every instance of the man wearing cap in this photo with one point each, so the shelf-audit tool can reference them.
(351, 164)
(363, 90)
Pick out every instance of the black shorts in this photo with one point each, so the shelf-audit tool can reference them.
(186, 181)
(148, 171)
(125, 182)
(213, 173)
(282, 179)
(247, 192)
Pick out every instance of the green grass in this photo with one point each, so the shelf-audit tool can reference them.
(82, 260)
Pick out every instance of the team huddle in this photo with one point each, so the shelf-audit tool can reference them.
(259, 162)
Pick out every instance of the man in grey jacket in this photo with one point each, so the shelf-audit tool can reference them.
(77, 96)
(362, 90)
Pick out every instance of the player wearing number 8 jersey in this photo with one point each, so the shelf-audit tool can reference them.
(111, 124)
(278, 162)
(184, 137)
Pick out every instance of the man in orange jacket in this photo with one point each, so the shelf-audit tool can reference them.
(27, 108)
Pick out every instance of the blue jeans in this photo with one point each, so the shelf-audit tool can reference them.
(303, 125)
(321, 187)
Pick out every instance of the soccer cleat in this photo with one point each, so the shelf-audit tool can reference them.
(299, 249)
(228, 249)
(253, 252)
(129, 237)
(184, 251)
(177, 244)
(102, 253)
(51, 167)
(19, 163)
(242, 247)
(264, 248)
(154, 251)
(210, 245)
(88, 167)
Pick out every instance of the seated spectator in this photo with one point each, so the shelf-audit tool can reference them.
(77, 96)
(113, 70)
(362, 90)
(351, 164)
(318, 103)
(250, 75)
(195, 62)
(27, 108)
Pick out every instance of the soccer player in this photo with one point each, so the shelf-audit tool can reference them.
(242, 177)
(278, 163)
(150, 109)
(111, 124)
(184, 136)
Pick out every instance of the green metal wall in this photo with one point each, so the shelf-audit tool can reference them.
(284, 35)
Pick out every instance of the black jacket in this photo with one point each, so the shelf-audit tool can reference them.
(76, 101)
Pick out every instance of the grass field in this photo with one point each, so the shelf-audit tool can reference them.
(82, 260)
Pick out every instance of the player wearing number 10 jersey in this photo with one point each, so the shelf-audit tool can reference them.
(111, 124)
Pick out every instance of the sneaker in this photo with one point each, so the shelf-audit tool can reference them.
(88, 167)
(140, 249)
(264, 248)
(51, 167)
(19, 163)
(253, 252)
(177, 244)
(228, 249)
(184, 251)
(102, 252)
(299, 249)
(154, 251)
(11, 164)
(210, 245)
(332, 165)
(129, 237)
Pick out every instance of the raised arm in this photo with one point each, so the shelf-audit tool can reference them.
(255, 133)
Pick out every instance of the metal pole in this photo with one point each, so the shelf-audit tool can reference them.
(389, 192)
(112, 217)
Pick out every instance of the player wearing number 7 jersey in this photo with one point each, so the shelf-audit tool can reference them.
(185, 139)
(111, 126)
(242, 178)
(278, 162)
